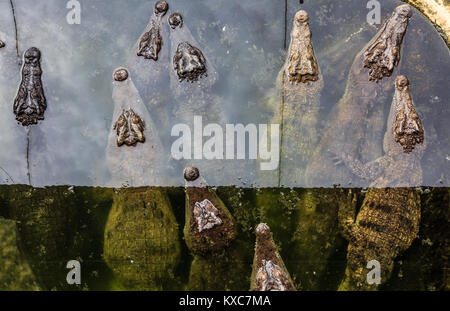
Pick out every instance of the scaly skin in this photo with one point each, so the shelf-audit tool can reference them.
(219, 230)
(134, 153)
(269, 272)
(30, 103)
(299, 84)
(357, 120)
(389, 218)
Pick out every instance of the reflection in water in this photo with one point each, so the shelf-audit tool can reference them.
(143, 162)
(244, 49)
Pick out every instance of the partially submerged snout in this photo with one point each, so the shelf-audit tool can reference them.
(408, 128)
(301, 17)
(403, 10)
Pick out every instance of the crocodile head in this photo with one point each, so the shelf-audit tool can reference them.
(189, 62)
(383, 54)
(129, 128)
(405, 125)
(150, 44)
(301, 64)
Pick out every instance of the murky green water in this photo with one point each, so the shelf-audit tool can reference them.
(123, 244)
(58, 224)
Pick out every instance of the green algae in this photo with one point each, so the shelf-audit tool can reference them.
(305, 223)
(267, 250)
(15, 272)
(227, 270)
(213, 239)
(141, 244)
(58, 224)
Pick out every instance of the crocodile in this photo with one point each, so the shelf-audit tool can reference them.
(192, 80)
(192, 77)
(389, 218)
(209, 225)
(269, 272)
(300, 83)
(150, 66)
(134, 152)
(30, 103)
(141, 239)
(356, 124)
(295, 102)
(151, 41)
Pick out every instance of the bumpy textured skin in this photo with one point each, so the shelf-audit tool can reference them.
(357, 122)
(141, 242)
(129, 128)
(389, 218)
(30, 102)
(150, 44)
(299, 84)
(218, 230)
(151, 41)
(269, 272)
(189, 62)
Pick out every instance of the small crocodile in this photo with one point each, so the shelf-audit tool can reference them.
(149, 67)
(389, 218)
(356, 125)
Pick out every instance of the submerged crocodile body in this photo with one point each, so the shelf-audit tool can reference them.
(269, 272)
(134, 153)
(357, 122)
(300, 83)
(295, 104)
(209, 225)
(389, 218)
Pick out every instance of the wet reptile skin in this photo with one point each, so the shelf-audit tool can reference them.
(389, 218)
(357, 120)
